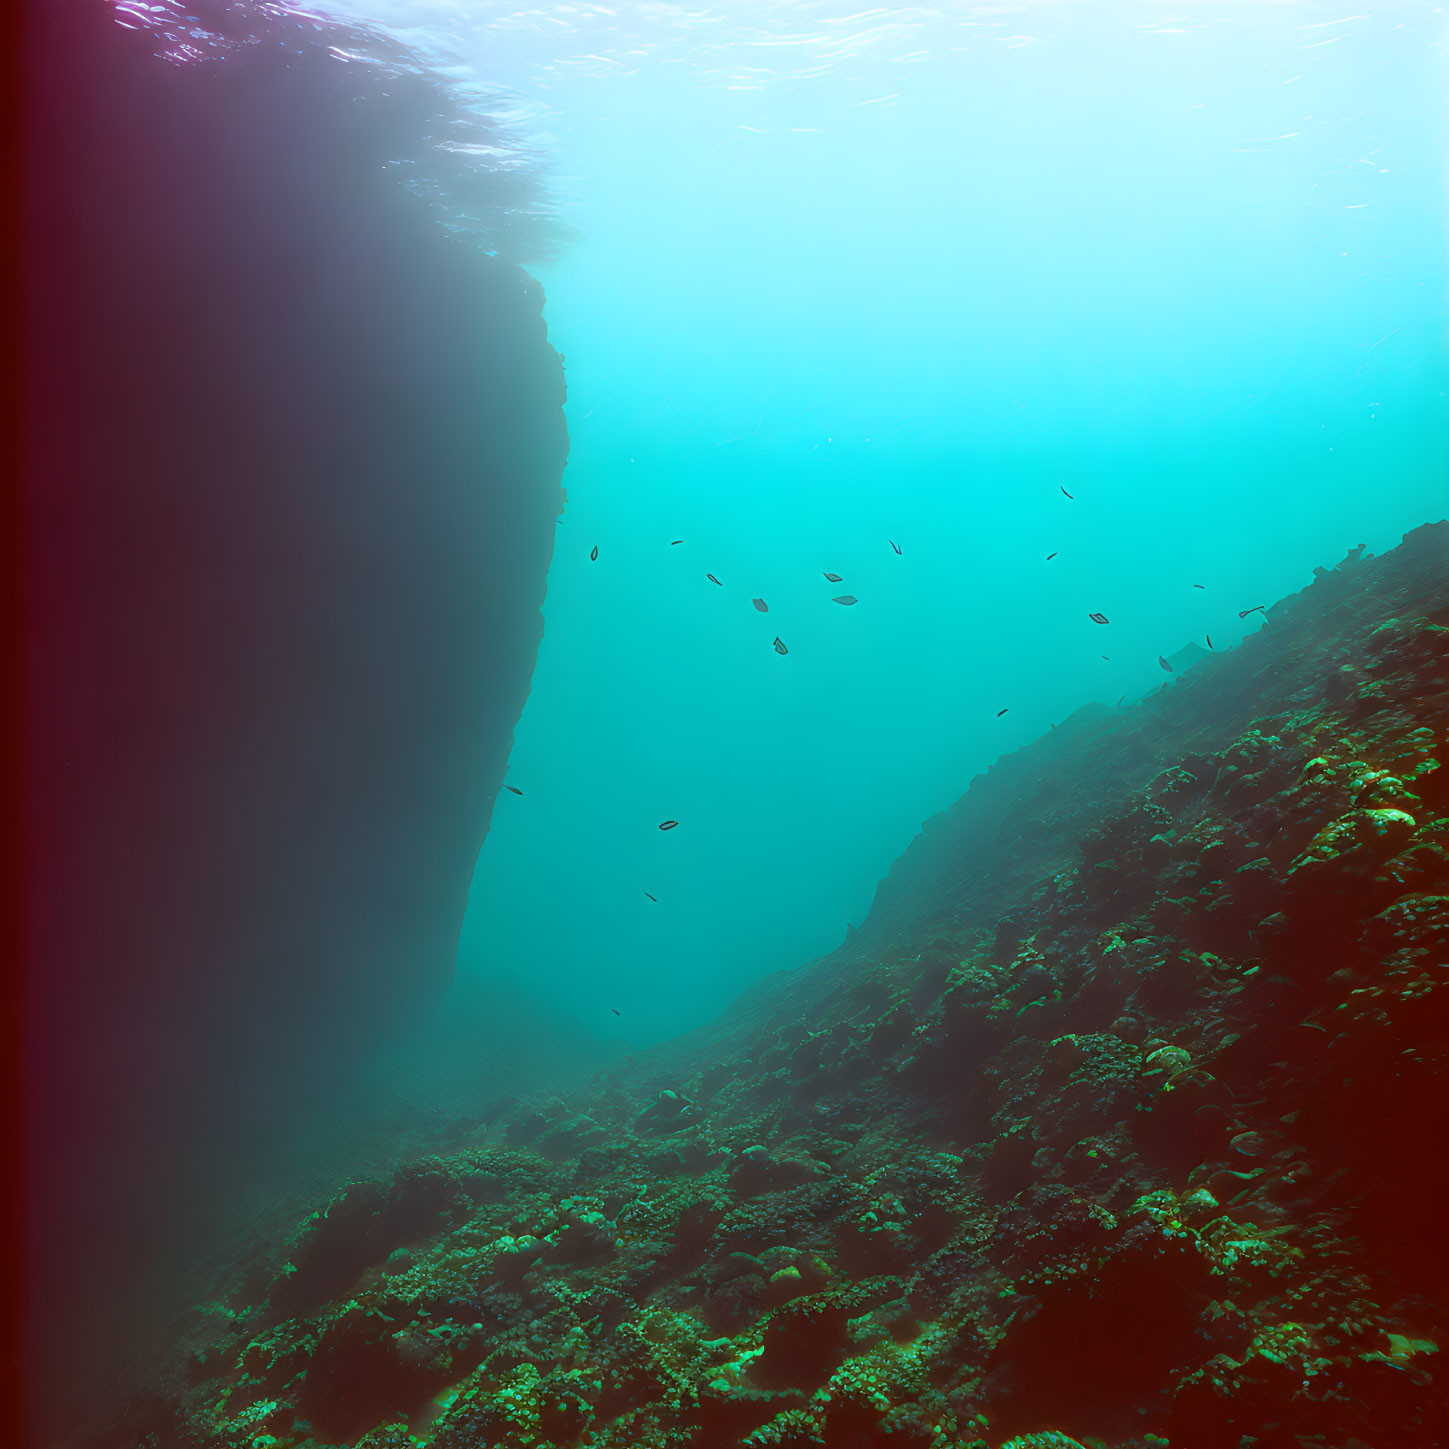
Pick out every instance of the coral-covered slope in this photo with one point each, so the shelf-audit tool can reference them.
(1123, 1130)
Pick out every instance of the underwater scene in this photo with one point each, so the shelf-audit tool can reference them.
(733, 725)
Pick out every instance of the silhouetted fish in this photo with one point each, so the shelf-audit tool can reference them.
(615, 1010)
(843, 599)
(1098, 618)
(761, 605)
(669, 824)
(1064, 490)
(1199, 586)
(1107, 657)
(834, 578)
(1209, 638)
(514, 788)
(894, 544)
(1051, 556)
(594, 552)
(1001, 712)
(673, 541)
(1164, 664)
(780, 646)
(713, 580)
(655, 899)
(1259, 609)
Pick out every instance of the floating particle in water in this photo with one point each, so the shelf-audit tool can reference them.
(1051, 556)
(1164, 664)
(655, 899)
(1258, 609)
(668, 824)
(761, 605)
(1098, 618)
(834, 578)
(780, 646)
(1001, 712)
(594, 552)
(514, 788)
(713, 580)
(894, 544)
(1065, 491)
(844, 599)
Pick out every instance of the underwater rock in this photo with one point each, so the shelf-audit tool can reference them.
(301, 494)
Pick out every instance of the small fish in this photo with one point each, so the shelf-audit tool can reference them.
(1001, 712)
(1260, 609)
(894, 544)
(594, 552)
(1051, 556)
(655, 899)
(780, 646)
(673, 541)
(834, 578)
(1098, 618)
(514, 788)
(668, 824)
(1209, 638)
(1107, 657)
(761, 605)
(1199, 586)
(1165, 664)
(1120, 698)
(713, 580)
(1064, 491)
(844, 599)
(616, 1011)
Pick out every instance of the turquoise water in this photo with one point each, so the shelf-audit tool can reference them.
(840, 279)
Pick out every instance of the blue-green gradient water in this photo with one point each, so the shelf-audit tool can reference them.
(845, 277)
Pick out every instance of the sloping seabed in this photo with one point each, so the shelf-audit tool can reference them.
(1116, 1124)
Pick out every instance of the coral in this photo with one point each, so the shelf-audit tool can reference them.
(1117, 1130)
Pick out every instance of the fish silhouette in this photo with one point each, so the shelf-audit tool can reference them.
(655, 899)
(834, 578)
(1164, 664)
(673, 541)
(1001, 712)
(894, 544)
(1260, 609)
(843, 599)
(1209, 638)
(594, 552)
(1064, 490)
(1098, 618)
(780, 646)
(761, 605)
(669, 824)
(713, 580)
(1051, 556)
(514, 788)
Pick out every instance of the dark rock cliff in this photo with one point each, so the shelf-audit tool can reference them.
(293, 462)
